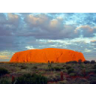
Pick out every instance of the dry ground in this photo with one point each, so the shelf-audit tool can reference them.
(55, 73)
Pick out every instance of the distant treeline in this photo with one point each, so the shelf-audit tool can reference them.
(80, 61)
(50, 62)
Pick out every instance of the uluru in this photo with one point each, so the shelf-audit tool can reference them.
(46, 55)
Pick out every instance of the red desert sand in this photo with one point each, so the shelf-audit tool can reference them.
(46, 55)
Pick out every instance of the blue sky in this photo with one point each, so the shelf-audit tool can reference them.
(23, 31)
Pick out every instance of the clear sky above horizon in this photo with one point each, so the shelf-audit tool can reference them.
(23, 31)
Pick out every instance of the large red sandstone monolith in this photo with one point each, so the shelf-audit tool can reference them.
(47, 55)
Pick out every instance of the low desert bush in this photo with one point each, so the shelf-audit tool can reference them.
(71, 70)
(3, 71)
(81, 81)
(92, 79)
(23, 67)
(34, 67)
(5, 80)
(31, 79)
(65, 70)
(82, 66)
(94, 67)
(57, 68)
(72, 74)
(68, 67)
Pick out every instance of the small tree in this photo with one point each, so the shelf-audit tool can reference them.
(86, 62)
(92, 61)
(52, 61)
(49, 65)
(79, 61)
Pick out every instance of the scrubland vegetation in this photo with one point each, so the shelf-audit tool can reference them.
(52, 73)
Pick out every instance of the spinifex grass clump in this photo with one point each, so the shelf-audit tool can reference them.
(31, 79)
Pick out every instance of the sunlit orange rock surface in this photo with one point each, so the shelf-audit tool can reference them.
(47, 54)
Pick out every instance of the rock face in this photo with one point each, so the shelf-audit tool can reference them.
(47, 55)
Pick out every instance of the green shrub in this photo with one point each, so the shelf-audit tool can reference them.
(23, 67)
(3, 71)
(82, 66)
(72, 74)
(68, 67)
(57, 68)
(5, 80)
(93, 79)
(49, 65)
(34, 67)
(80, 81)
(71, 70)
(94, 70)
(65, 70)
(94, 67)
(31, 79)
